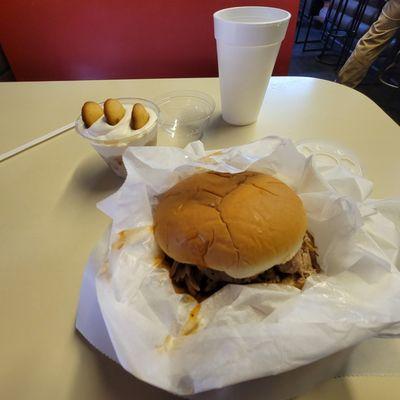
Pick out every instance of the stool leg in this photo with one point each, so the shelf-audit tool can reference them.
(308, 32)
(300, 23)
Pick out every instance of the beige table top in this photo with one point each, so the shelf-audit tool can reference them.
(49, 222)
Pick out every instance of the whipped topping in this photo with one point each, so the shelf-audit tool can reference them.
(101, 130)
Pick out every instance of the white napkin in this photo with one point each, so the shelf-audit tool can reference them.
(246, 332)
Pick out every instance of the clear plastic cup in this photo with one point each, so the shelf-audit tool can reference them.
(111, 149)
(184, 115)
(248, 42)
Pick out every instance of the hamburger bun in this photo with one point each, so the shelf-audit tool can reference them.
(241, 224)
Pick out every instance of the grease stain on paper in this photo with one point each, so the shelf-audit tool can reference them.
(119, 243)
(159, 261)
(190, 327)
(192, 323)
(105, 269)
(129, 236)
(167, 345)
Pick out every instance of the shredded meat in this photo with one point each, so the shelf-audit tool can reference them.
(202, 283)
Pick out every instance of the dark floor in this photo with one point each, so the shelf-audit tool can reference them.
(305, 64)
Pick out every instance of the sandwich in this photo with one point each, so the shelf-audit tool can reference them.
(244, 228)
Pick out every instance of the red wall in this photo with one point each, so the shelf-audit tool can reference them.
(106, 39)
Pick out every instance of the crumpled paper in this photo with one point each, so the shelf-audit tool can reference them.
(245, 332)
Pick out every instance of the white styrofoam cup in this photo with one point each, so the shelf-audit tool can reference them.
(248, 42)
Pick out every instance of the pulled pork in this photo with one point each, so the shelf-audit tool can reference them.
(202, 282)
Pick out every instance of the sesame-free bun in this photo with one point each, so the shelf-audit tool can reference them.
(241, 224)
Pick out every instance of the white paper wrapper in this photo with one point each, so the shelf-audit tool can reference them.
(247, 331)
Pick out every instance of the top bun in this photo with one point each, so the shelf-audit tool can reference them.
(241, 224)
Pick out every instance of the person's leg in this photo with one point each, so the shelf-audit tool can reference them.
(323, 12)
(370, 45)
(316, 6)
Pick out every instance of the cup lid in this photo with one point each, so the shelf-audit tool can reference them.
(328, 155)
(181, 107)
